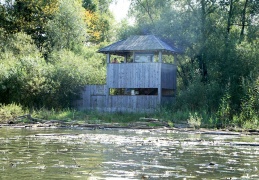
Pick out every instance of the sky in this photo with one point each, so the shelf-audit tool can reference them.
(120, 9)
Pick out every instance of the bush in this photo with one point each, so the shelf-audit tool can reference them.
(250, 105)
(9, 113)
(195, 120)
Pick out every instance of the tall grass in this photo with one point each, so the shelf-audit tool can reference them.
(171, 115)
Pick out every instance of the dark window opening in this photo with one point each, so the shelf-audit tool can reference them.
(134, 91)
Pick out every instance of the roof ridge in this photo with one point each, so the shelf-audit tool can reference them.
(139, 43)
(159, 41)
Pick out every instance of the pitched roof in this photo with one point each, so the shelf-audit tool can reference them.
(149, 43)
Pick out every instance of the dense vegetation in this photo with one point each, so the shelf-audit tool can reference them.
(44, 57)
(48, 53)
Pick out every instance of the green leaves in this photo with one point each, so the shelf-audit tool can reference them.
(43, 59)
(67, 29)
(220, 39)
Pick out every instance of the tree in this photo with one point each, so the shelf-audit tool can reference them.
(23, 77)
(67, 29)
(98, 19)
(30, 16)
(214, 35)
(26, 77)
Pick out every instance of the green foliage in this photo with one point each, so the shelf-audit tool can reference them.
(89, 5)
(45, 63)
(10, 112)
(29, 16)
(124, 30)
(52, 114)
(224, 113)
(249, 115)
(194, 120)
(27, 79)
(67, 29)
(197, 95)
(23, 77)
(71, 73)
(220, 39)
(99, 20)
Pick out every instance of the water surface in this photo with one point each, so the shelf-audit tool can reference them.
(125, 154)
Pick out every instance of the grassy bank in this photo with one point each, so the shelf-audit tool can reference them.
(16, 114)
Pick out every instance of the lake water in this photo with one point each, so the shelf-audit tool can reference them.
(125, 154)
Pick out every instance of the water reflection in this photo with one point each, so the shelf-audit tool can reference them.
(125, 154)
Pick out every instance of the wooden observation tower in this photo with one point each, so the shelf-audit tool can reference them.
(140, 81)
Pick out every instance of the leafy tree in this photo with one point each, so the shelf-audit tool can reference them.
(54, 82)
(218, 39)
(23, 77)
(98, 19)
(30, 16)
(67, 29)
(26, 78)
(72, 72)
(148, 11)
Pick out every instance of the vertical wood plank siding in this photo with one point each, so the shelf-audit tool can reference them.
(133, 75)
(168, 76)
(141, 75)
(93, 99)
(132, 103)
(130, 75)
(92, 96)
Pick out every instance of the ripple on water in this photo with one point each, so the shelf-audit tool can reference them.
(124, 154)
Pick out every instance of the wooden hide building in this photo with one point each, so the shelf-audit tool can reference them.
(141, 81)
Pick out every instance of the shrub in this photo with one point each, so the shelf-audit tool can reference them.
(9, 113)
(195, 120)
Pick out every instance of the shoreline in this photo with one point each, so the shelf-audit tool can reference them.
(131, 126)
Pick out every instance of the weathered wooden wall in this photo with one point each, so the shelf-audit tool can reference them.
(133, 75)
(133, 103)
(93, 98)
(141, 75)
(168, 76)
(130, 75)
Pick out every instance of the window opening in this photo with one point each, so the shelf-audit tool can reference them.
(142, 58)
(134, 91)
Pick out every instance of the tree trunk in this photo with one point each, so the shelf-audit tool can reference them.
(230, 15)
(243, 21)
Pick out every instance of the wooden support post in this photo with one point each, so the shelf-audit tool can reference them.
(160, 78)
(107, 93)
(175, 59)
(160, 84)
(160, 57)
(108, 58)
